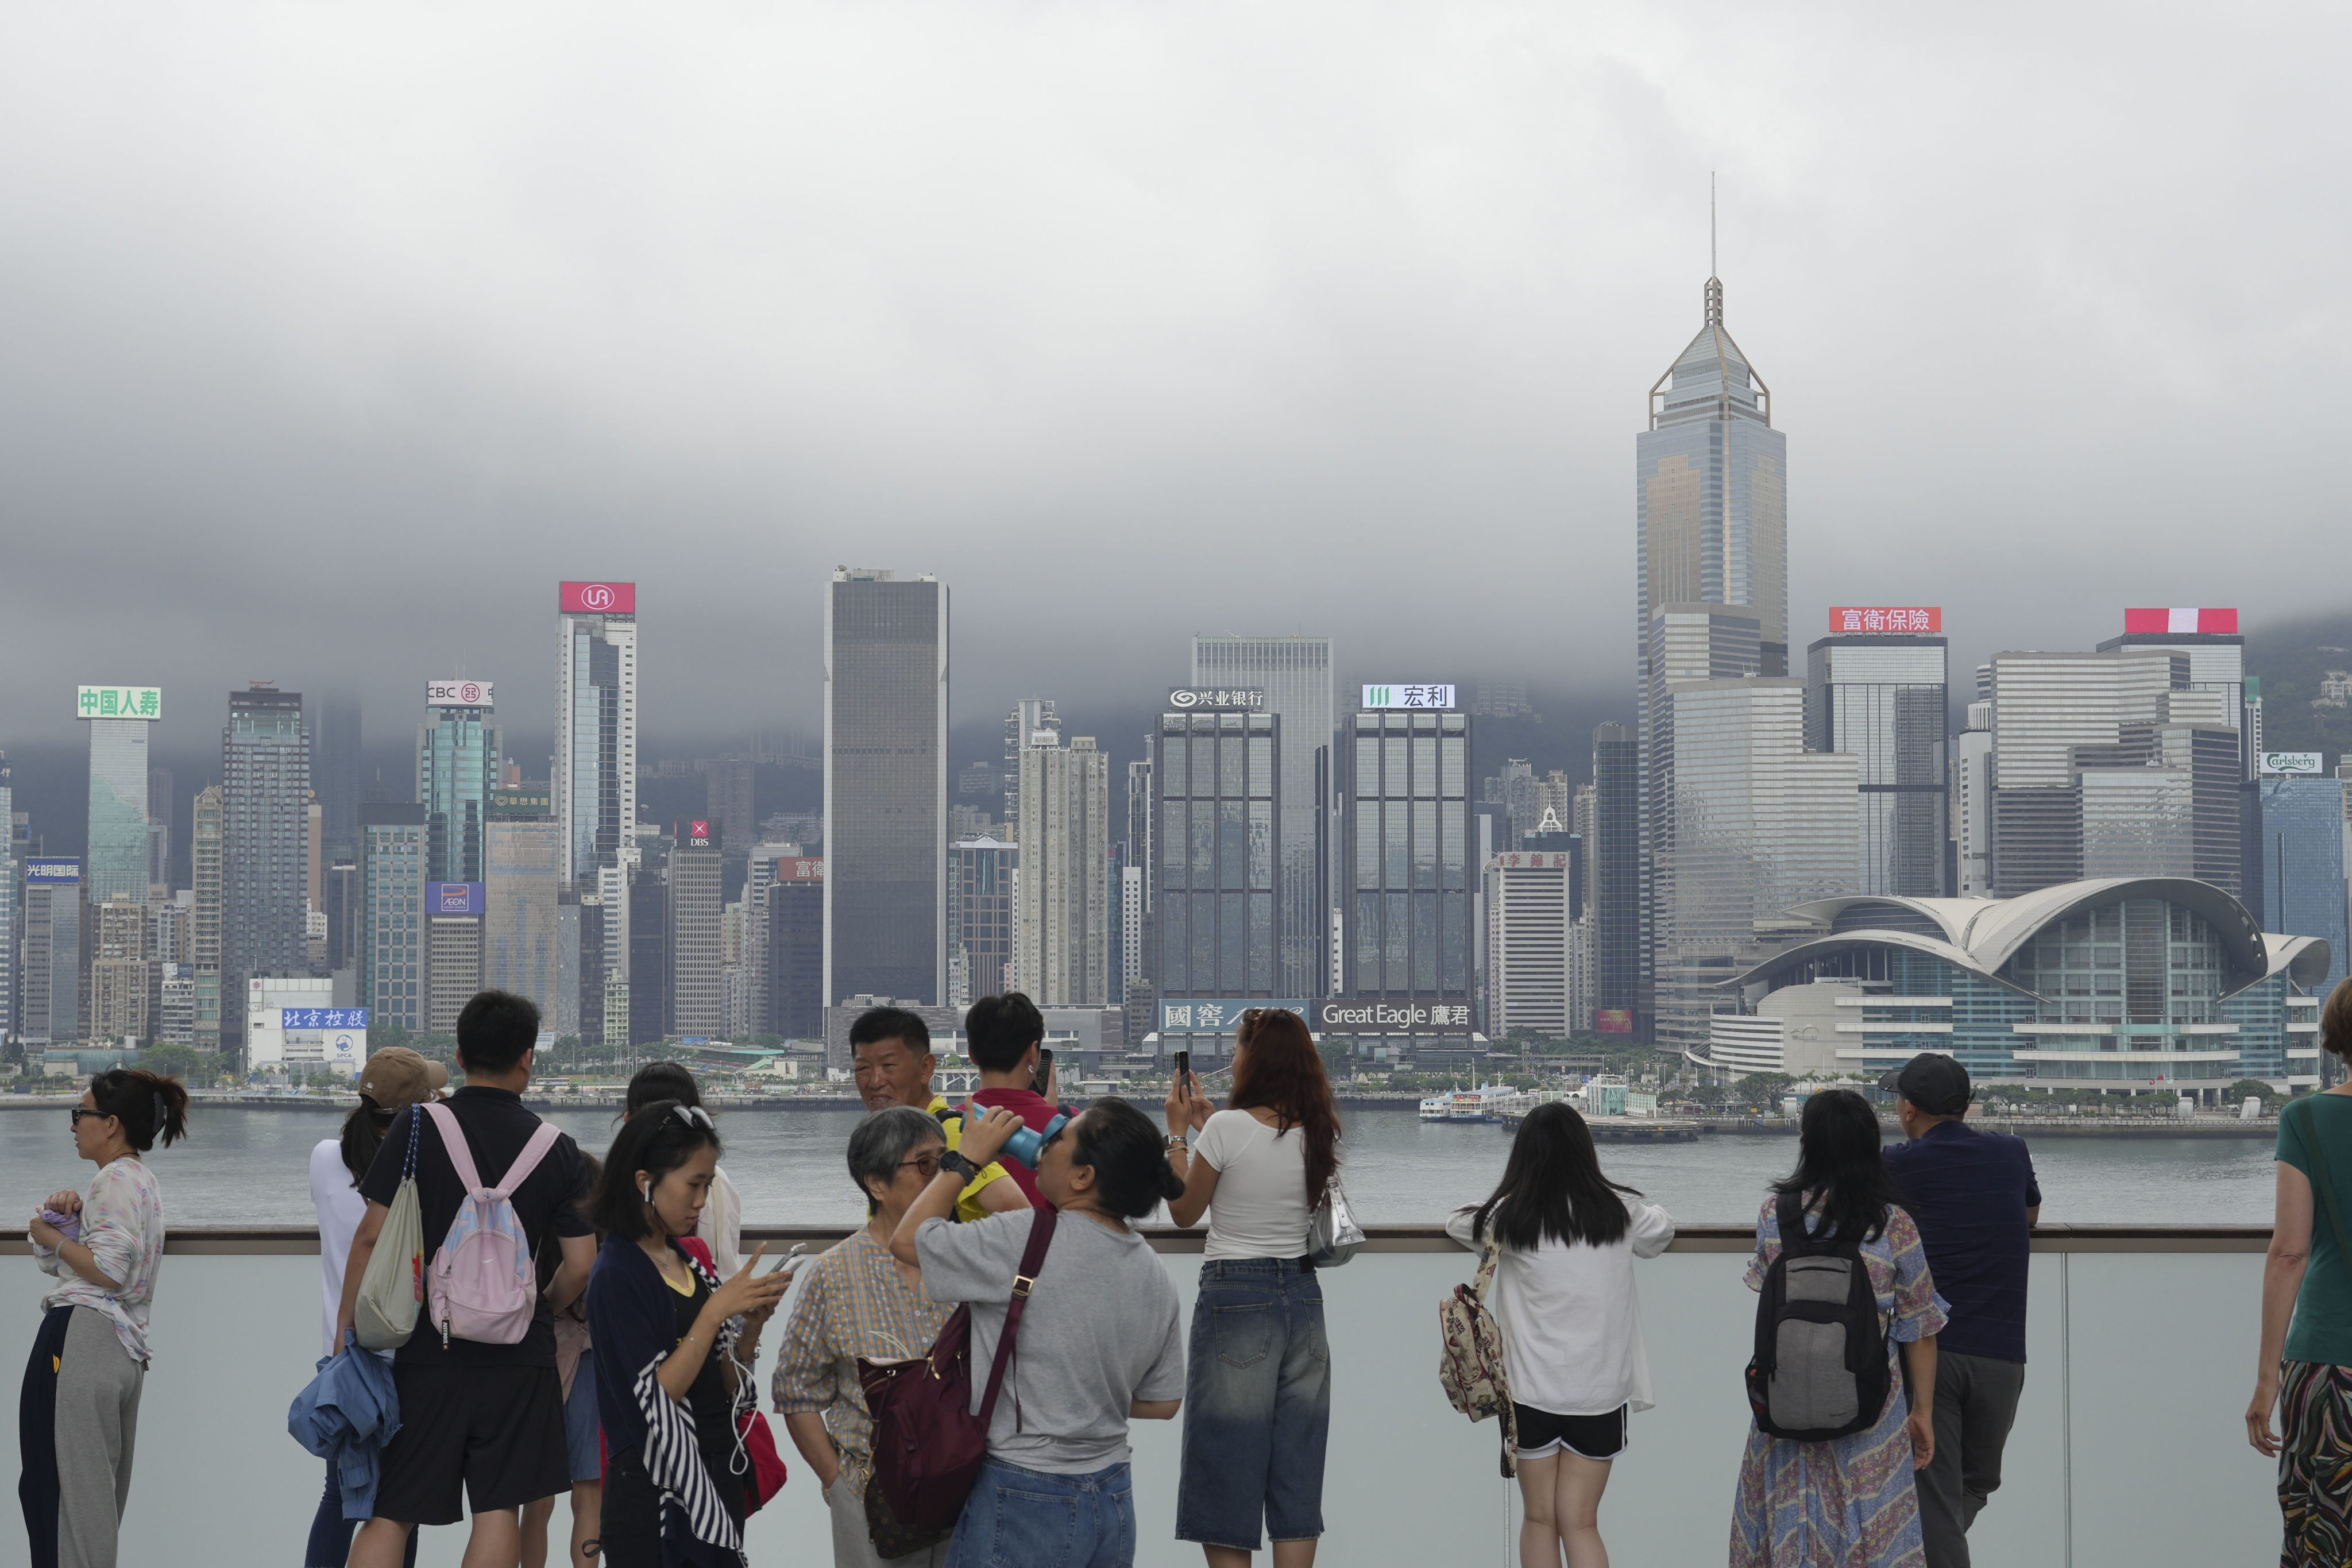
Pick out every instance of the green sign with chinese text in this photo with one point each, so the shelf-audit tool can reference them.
(119, 702)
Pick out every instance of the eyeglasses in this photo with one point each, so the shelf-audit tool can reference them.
(929, 1164)
(81, 1111)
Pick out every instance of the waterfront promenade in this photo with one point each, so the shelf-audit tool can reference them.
(2129, 1447)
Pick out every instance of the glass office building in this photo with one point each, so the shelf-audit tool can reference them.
(1222, 868)
(1295, 674)
(1881, 699)
(885, 788)
(266, 800)
(1409, 897)
(980, 912)
(522, 886)
(458, 765)
(595, 786)
(1065, 910)
(392, 948)
(117, 865)
(2303, 833)
(1620, 916)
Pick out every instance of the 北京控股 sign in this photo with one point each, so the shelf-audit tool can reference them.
(458, 694)
(1345, 1014)
(1911, 618)
(599, 598)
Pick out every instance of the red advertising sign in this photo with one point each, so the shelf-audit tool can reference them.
(599, 598)
(2176, 622)
(1900, 618)
(809, 868)
(1614, 1020)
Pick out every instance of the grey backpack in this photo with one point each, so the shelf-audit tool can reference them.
(1819, 1370)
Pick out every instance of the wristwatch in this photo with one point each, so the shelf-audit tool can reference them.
(955, 1163)
(1177, 1141)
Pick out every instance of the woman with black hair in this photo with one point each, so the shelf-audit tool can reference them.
(1100, 1343)
(1849, 1502)
(79, 1412)
(721, 1225)
(1565, 1238)
(675, 1346)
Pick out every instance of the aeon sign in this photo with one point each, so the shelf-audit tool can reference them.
(599, 598)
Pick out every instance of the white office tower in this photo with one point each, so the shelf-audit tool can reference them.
(1029, 715)
(1747, 824)
(594, 777)
(1061, 927)
(1295, 675)
(120, 718)
(1972, 803)
(1529, 942)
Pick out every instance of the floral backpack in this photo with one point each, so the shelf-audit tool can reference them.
(1470, 1368)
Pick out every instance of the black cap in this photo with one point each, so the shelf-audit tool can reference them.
(1935, 1084)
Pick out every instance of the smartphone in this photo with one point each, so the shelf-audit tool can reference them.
(1183, 1067)
(1045, 1070)
(791, 1259)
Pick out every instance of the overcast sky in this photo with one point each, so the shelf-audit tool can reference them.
(330, 337)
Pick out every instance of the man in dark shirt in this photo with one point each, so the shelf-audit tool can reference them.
(486, 1419)
(1973, 1196)
(1005, 1034)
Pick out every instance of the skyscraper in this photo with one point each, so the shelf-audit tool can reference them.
(119, 717)
(1530, 919)
(1710, 480)
(335, 770)
(1619, 918)
(265, 791)
(982, 873)
(885, 787)
(458, 762)
(696, 997)
(392, 945)
(595, 786)
(1222, 868)
(1881, 696)
(1295, 675)
(794, 934)
(8, 893)
(1409, 897)
(1029, 715)
(1064, 917)
(49, 1010)
(523, 878)
(728, 787)
(2304, 864)
(208, 873)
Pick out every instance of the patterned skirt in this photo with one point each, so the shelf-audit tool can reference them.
(2314, 1478)
(1846, 1503)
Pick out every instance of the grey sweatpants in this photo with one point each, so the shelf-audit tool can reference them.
(97, 1425)
(1975, 1402)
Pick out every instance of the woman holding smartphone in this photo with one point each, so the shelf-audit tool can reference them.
(1257, 1405)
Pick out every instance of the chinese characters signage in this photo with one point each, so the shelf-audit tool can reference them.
(599, 598)
(1408, 697)
(52, 870)
(1200, 699)
(324, 1017)
(1196, 1015)
(458, 694)
(806, 868)
(2177, 621)
(1347, 1016)
(1886, 618)
(119, 702)
(453, 898)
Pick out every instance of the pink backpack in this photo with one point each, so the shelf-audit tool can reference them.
(482, 1285)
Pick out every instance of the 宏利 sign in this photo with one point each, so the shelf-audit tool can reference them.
(599, 598)
(1408, 697)
(453, 898)
(1194, 1015)
(458, 694)
(2273, 763)
(291, 1019)
(1217, 699)
(119, 702)
(1911, 618)
(1347, 1016)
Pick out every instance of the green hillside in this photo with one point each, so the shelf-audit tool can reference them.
(2292, 658)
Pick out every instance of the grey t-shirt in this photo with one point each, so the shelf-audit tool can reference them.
(1100, 1331)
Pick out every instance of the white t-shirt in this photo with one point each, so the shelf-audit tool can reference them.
(340, 1209)
(1571, 1322)
(1259, 1209)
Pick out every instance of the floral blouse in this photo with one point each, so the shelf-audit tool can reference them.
(122, 1226)
(1907, 1303)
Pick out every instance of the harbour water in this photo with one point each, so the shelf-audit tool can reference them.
(249, 1167)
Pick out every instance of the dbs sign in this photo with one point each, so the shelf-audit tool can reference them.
(599, 598)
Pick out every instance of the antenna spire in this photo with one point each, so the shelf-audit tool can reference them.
(1712, 270)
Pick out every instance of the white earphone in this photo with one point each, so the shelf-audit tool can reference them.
(646, 1191)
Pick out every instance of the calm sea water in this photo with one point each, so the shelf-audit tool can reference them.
(251, 1167)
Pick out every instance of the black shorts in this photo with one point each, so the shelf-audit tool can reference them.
(1587, 1436)
(498, 1430)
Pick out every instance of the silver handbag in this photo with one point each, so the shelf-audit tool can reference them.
(1333, 1237)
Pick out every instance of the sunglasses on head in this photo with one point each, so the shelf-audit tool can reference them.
(693, 1115)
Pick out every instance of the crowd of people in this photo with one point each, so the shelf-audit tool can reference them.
(622, 1377)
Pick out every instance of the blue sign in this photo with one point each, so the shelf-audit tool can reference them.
(322, 1017)
(1198, 1016)
(453, 898)
(52, 870)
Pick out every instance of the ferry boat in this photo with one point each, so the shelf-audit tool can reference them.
(1487, 1102)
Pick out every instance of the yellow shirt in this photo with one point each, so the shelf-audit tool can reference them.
(968, 1205)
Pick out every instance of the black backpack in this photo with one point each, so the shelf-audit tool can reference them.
(1819, 1370)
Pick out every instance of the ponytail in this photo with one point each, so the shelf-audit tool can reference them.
(149, 1105)
(1130, 1159)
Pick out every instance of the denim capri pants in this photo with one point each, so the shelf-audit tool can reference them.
(1257, 1405)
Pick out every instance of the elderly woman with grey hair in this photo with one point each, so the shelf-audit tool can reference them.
(857, 1300)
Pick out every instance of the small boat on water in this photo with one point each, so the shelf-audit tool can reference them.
(1487, 1102)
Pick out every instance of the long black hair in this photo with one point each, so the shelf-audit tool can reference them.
(1129, 1160)
(1841, 1168)
(1552, 1188)
(149, 1105)
(657, 1139)
(364, 1131)
(658, 1081)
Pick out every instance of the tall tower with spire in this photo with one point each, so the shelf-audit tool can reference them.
(1711, 559)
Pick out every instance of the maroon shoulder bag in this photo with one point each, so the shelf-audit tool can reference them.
(928, 1444)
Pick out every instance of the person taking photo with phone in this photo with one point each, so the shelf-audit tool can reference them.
(1257, 1408)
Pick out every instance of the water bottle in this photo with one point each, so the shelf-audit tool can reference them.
(1027, 1143)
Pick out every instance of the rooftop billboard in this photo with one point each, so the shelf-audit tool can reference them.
(1217, 699)
(1911, 618)
(38, 869)
(119, 702)
(458, 694)
(1409, 696)
(599, 598)
(453, 898)
(2177, 621)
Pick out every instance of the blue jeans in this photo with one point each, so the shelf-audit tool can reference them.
(331, 1532)
(1028, 1519)
(1257, 1405)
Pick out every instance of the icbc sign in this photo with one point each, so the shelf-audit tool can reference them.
(599, 598)
(458, 694)
(1898, 619)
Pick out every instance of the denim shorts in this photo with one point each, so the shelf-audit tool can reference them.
(1017, 1518)
(1257, 1405)
(584, 1439)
